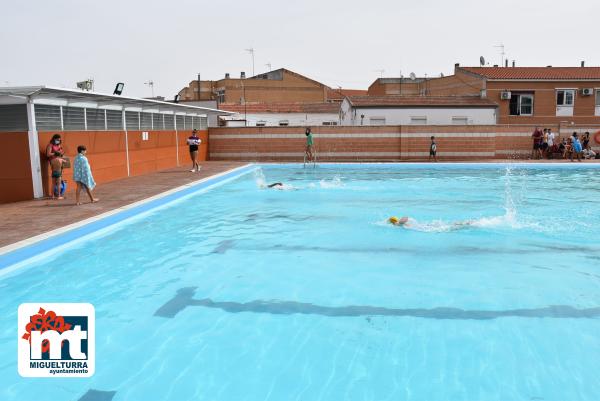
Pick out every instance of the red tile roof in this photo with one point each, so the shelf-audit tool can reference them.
(420, 101)
(281, 107)
(536, 73)
(340, 94)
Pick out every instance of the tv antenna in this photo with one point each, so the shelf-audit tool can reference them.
(481, 61)
(412, 76)
(150, 83)
(268, 65)
(251, 51)
(380, 71)
(502, 53)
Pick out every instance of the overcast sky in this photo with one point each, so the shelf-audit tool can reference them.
(338, 42)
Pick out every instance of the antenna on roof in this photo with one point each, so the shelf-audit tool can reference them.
(251, 51)
(381, 71)
(150, 83)
(481, 61)
(502, 53)
(412, 76)
(268, 65)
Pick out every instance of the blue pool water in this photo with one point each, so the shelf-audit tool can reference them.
(307, 294)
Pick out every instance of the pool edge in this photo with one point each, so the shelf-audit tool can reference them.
(23, 250)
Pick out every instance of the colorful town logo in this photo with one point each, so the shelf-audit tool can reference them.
(56, 340)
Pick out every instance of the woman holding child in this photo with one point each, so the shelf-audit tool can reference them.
(55, 154)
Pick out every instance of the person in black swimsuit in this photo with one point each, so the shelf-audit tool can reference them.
(194, 141)
(433, 149)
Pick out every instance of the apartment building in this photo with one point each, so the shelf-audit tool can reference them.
(277, 86)
(528, 95)
(417, 110)
(280, 85)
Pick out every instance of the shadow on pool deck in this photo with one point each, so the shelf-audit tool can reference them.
(184, 298)
(22, 220)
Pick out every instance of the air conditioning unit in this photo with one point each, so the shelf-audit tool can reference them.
(587, 91)
(505, 95)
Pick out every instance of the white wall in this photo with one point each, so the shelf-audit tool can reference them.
(402, 116)
(294, 119)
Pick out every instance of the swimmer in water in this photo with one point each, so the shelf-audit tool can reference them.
(275, 185)
(407, 223)
(398, 221)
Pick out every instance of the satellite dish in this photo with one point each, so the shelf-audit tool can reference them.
(481, 61)
(413, 76)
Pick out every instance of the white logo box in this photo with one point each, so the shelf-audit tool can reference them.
(81, 364)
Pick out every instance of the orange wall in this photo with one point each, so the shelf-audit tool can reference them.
(15, 168)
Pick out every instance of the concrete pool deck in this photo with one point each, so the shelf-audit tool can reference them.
(23, 220)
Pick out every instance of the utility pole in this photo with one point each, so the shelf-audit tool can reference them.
(251, 51)
(198, 86)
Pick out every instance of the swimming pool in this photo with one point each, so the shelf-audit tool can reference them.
(306, 293)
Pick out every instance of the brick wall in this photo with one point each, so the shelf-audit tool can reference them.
(383, 143)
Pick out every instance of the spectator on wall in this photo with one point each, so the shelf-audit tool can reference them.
(82, 175)
(55, 154)
(537, 136)
(194, 141)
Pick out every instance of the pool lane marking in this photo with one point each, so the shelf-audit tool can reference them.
(184, 298)
(22, 250)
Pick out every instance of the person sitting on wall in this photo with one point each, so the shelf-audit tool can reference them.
(566, 147)
(55, 154)
(194, 141)
(82, 175)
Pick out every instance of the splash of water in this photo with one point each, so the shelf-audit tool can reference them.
(335, 182)
(259, 178)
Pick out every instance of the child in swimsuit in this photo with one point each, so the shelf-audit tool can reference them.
(433, 149)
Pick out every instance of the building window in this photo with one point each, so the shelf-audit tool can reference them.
(261, 123)
(330, 123)
(418, 120)
(221, 96)
(597, 97)
(521, 104)
(73, 119)
(284, 123)
(377, 120)
(47, 118)
(565, 97)
(460, 120)
(114, 120)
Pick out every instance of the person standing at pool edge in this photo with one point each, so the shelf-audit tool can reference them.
(82, 175)
(194, 141)
(433, 149)
(309, 145)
